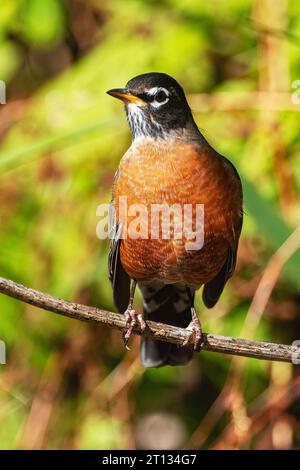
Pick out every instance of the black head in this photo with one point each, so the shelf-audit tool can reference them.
(155, 104)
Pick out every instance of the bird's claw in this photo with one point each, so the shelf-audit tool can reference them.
(132, 318)
(194, 338)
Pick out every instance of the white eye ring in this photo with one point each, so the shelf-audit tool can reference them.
(155, 91)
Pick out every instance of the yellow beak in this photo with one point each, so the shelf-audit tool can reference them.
(125, 95)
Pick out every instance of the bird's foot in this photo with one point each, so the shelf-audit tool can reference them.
(194, 329)
(132, 318)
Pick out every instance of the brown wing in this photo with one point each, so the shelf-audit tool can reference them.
(214, 288)
(117, 275)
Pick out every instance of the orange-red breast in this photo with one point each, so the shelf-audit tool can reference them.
(169, 163)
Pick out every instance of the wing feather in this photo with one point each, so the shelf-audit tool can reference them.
(214, 288)
(117, 275)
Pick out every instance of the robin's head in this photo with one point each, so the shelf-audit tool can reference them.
(156, 106)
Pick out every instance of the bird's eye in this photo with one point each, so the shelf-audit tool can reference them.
(161, 96)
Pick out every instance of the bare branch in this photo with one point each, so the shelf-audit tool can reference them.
(157, 331)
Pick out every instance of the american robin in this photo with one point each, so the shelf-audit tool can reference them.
(170, 163)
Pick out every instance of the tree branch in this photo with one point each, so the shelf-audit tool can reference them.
(157, 331)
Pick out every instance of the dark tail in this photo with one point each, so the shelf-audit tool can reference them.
(165, 303)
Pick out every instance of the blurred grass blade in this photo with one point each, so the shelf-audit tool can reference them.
(13, 158)
(272, 226)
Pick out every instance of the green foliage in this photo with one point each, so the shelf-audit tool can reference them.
(100, 432)
(42, 23)
(61, 140)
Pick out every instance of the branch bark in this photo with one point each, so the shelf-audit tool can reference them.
(157, 331)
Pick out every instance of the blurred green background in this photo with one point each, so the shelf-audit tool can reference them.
(69, 385)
